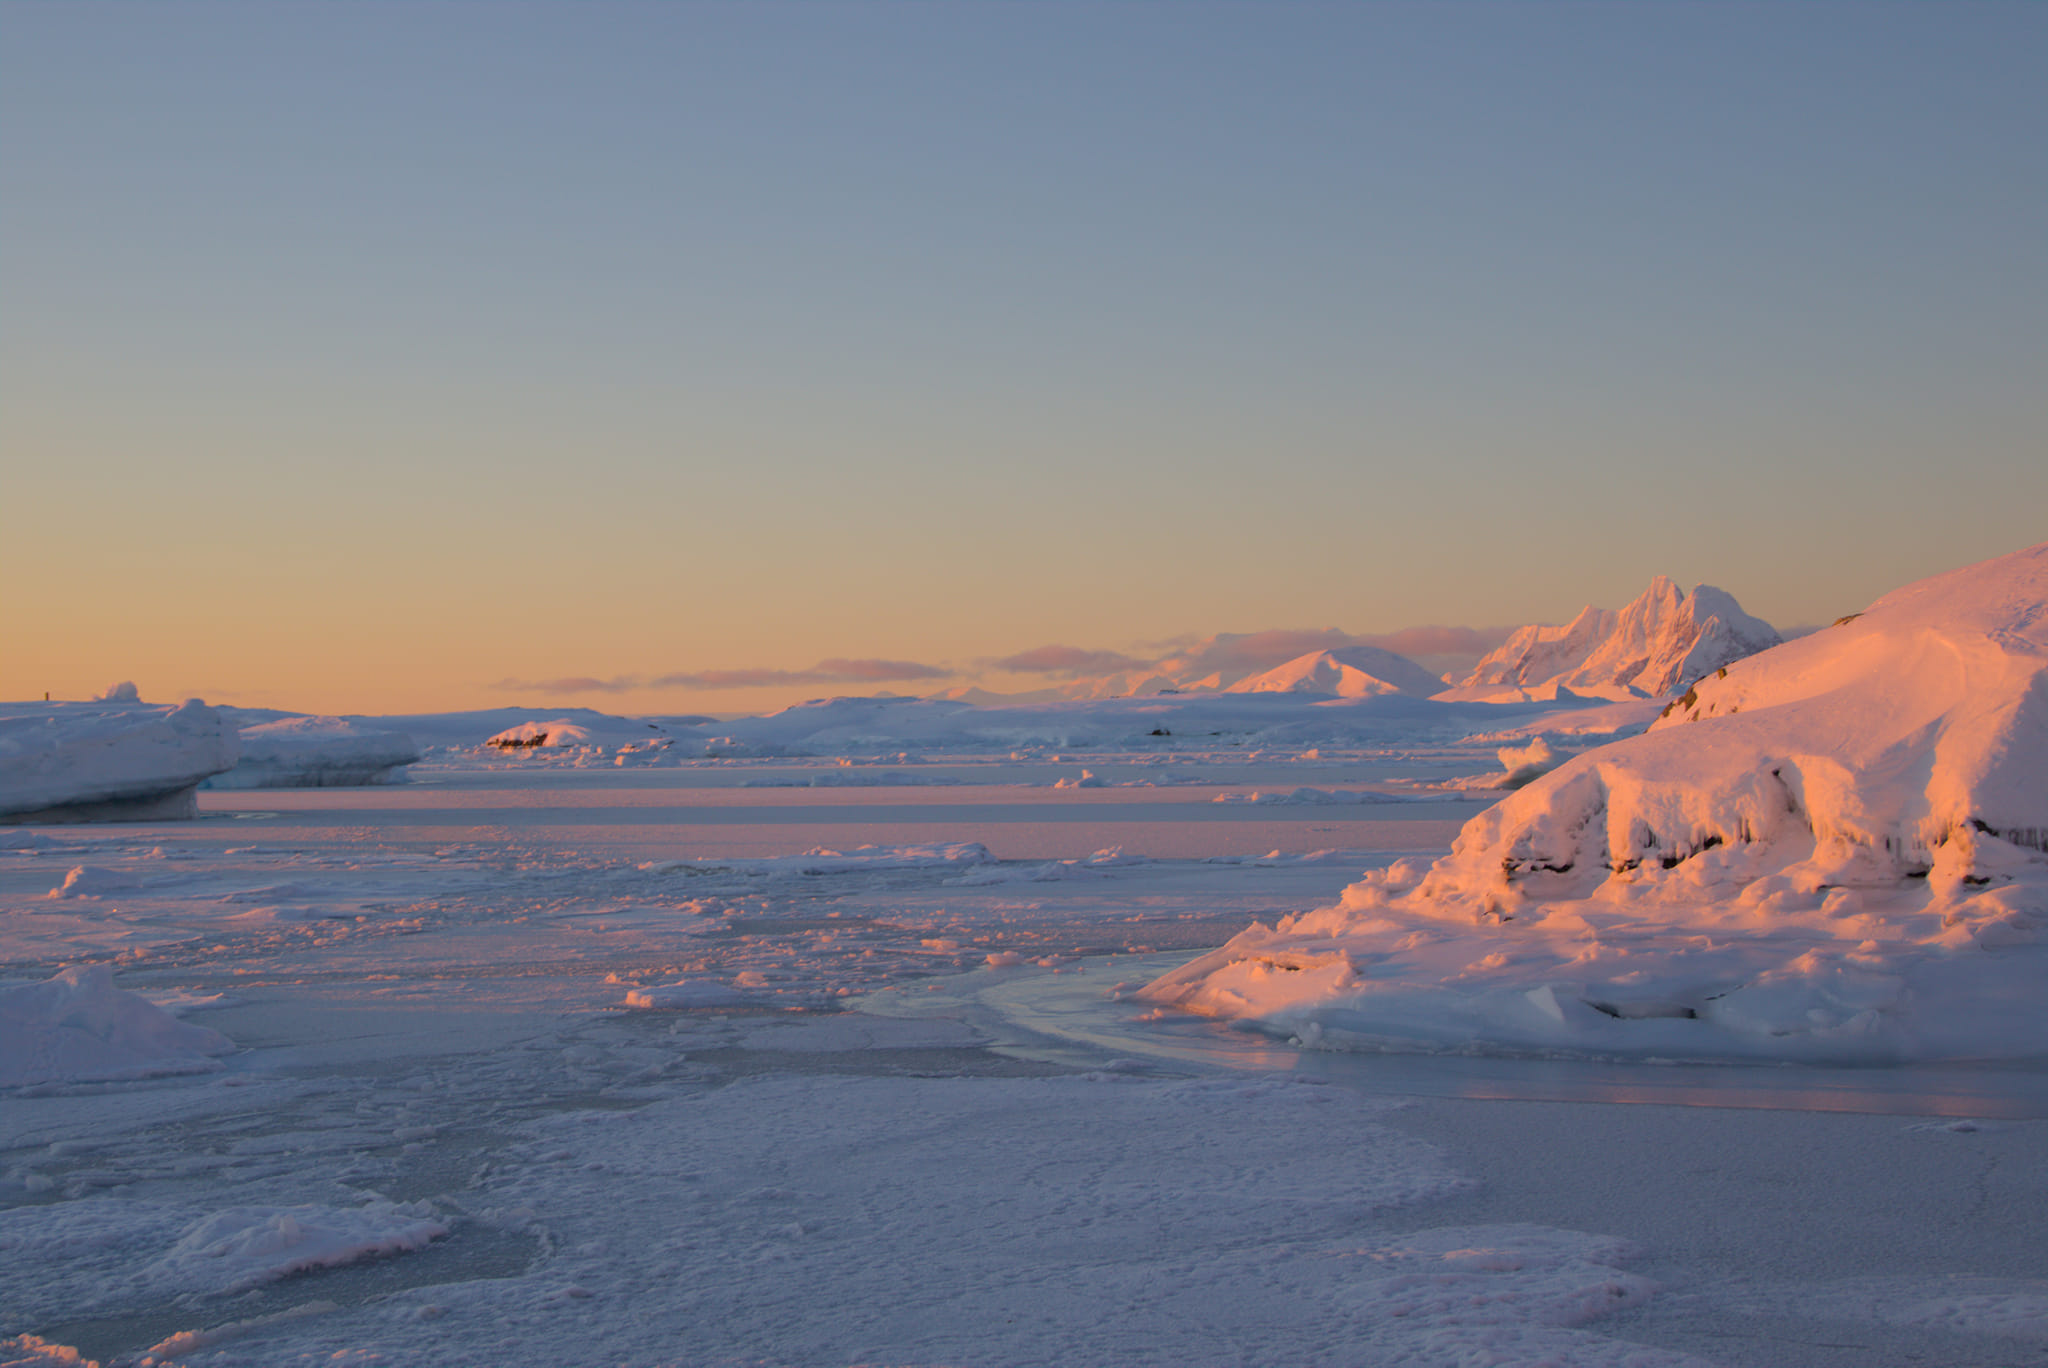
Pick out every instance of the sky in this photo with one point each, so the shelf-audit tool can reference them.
(391, 357)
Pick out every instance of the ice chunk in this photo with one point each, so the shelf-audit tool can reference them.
(243, 1247)
(78, 1027)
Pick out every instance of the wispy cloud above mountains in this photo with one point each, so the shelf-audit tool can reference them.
(1067, 660)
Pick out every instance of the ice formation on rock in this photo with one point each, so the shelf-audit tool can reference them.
(1655, 646)
(1835, 849)
(100, 761)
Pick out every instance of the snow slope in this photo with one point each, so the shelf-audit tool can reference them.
(108, 760)
(1658, 644)
(1349, 672)
(1837, 849)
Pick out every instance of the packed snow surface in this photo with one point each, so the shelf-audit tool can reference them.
(80, 761)
(1835, 850)
(1655, 646)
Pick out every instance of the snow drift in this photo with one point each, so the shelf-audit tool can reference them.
(1655, 646)
(108, 761)
(1837, 849)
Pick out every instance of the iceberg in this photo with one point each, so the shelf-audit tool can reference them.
(317, 752)
(109, 761)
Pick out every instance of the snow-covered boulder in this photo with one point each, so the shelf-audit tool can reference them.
(1657, 645)
(75, 762)
(77, 1027)
(1347, 672)
(1837, 849)
(317, 752)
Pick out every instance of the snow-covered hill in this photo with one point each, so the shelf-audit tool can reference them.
(1655, 646)
(1348, 672)
(1835, 849)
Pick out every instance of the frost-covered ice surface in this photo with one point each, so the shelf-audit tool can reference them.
(541, 1059)
(1835, 850)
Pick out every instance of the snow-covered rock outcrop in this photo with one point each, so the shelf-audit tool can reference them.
(1837, 849)
(1347, 672)
(317, 752)
(1657, 645)
(102, 761)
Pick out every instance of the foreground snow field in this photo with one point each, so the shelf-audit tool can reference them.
(447, 1136)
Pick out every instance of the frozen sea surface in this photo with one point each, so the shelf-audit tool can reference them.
(445, 1138)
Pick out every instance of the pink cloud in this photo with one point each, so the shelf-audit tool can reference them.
(1068, 660)
(837, 670)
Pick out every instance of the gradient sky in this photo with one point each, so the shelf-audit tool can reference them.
(364, 357)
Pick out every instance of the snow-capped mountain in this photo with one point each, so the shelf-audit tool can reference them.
(1657, 645)
(1348, 672)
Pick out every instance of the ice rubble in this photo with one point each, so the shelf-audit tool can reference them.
(78, 1027)
(317, 752)
(1835, 850)
(1348, 672)
(1655, 646)
(108, 761)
